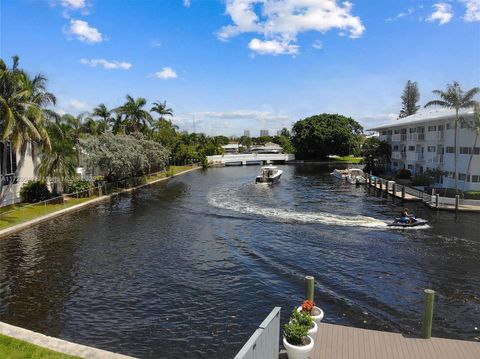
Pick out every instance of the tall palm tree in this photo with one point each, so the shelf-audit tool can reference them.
(455, 98)
(162, 109)
(474, 126)
(23, 112)
(105, 114)
(74, 127)
(136, 118)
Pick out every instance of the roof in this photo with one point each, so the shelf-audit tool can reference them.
(421, 117)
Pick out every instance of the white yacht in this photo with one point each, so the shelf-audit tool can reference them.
(351, 175)
(269, 174)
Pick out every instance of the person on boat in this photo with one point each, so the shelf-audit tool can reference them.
(405, 218)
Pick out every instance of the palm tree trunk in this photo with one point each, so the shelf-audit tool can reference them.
(455, 146)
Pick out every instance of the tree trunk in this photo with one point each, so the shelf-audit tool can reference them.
(455, 146)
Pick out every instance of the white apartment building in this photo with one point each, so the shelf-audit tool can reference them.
(24, 167)
(426, 141)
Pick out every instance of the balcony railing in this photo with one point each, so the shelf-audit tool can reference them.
(403, 137)
(421, 137)
(396, 138)
(420, 156)
(440, 135)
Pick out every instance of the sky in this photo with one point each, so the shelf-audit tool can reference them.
(226, 66)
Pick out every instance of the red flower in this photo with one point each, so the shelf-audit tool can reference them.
(308, 305)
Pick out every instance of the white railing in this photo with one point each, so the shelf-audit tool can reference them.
(441, 135)
(264, 342)
(247, 157)
(396, 138)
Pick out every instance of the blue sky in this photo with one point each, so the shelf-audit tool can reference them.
(245, 64)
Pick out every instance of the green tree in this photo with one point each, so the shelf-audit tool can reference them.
(376, 154)
(136, 118)
(326, 134)
(455, 98)
(410, 98)
(23, 112)
(162, 109)
(105, 114)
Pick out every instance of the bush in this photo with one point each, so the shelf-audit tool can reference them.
(79, 186)
(404, 174)
(472, 195)
(424, 179)
(302, 317)
(295, 332)
(34, 191)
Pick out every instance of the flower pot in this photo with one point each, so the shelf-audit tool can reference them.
(298, 352)
(317, 314)
(313, 331)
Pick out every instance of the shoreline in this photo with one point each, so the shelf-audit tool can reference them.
(21, 226)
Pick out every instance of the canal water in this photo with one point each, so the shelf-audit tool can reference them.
(187, 268)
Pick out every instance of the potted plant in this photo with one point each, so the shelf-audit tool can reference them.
(296, 341)
(304, 318)
(309, 307)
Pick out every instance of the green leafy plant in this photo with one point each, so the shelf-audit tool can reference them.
(34, 191)
(302, 317)
(472, 195)
(295, 333)
(404, 174)
(79, 186)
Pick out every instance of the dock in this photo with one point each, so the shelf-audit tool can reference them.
(340, 342)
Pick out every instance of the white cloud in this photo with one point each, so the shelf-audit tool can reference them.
(281, 21)
(77, 105)
(155, 43)
(84, 32)
(443, 13)
(165, 74)
(262, 116)
(109, 65)
(473, 10)
(273, 47)
(187, 3)
(74, 4)
(317, 44)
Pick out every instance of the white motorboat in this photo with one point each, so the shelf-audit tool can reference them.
(351, 175)
(269, 174)
(355, 176)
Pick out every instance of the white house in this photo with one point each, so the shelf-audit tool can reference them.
(426, 141)
(11, 183)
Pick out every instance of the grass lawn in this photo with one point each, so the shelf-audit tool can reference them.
(17, 349)
(173, 170)
(19, 213)
(347, 159)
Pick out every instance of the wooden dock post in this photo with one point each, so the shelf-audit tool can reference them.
(394, 190)
(457, 201)
(309, 287)
(375, 183)
(437, 199)
(381, 185)
(403, 192)
(428, 313)
(386, 186)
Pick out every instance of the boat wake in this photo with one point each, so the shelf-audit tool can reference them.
(225, 199)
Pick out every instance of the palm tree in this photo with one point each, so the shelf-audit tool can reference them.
(455, 98)
(23, 113)
(105, 114)
(74, 127)
(136, 118)
(474, 126)
(162, 109)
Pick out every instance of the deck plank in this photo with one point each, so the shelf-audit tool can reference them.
(341, 342)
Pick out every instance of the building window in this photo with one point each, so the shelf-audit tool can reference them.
(411, 167)
(412, 130)
(411, 148)
(431, 149)
(475, 178)
(465, 150)
(463, 177)
(395, 164)
(396, 132)
(395, 148)
(450, 149)
(7, 168)
(476, 150)
(432, 128)
(384, 133)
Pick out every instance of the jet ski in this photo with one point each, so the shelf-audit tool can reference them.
(414, 222)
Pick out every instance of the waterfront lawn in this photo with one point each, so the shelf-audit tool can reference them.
(19, 213)
(173, 170)
(17, 349)
(347, 159)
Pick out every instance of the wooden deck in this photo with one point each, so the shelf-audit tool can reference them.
(340, 342)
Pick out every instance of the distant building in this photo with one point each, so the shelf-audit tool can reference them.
(246, 133)
(269, 147)
(425, 141)
(232, 148)
(263, 133)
